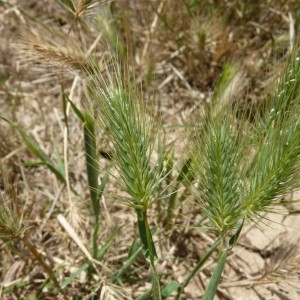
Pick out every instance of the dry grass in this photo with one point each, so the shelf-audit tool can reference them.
(178, 54)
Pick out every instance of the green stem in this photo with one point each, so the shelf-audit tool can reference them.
(92, 175)
(95, 236)
(197, 267)
(156, 292)
(215, 278)
(149, 251)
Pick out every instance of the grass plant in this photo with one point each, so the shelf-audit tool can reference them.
(125, 120)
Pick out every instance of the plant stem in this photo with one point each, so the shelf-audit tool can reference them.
(197, 267)
(149, 251)
(146, 295)
(156, 292)
(211, 289)
(92, 174)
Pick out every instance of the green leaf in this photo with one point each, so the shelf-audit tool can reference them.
(34, 147)
(33, 164)
(149, 250)
(76, 110)
(102, 185)
(134, 246)
(235, 237)
(91, 158)
(170, 288)
(60, 164)
(156, 292)
(185, 172)
(68, 4)
(145, 296)
(130, 260)
(86, 265)
(215, 279)
(106, 246)
(75, 274)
